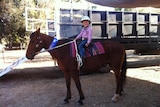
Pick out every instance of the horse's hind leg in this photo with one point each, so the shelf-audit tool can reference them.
(116, 96)
(76, 79)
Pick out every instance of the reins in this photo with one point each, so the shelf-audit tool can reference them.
(49, 49)
(79, 60)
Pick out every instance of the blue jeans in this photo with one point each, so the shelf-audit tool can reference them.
(81, 48)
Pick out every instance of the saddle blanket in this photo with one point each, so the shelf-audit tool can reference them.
(93, 50)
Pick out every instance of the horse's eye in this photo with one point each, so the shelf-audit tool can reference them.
(37, 45)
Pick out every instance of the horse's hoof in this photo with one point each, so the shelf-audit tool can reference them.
(113, 101)
(80, 103)
(66, 101)
(115, 98)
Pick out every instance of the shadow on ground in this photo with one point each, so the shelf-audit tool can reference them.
(45, 87)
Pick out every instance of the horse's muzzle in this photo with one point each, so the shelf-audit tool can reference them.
(30, 56)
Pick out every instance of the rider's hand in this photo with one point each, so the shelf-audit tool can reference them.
(75, 39)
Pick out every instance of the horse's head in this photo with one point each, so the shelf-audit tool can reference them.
(35, 44)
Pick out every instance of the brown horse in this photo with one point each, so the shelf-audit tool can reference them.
(114, 55)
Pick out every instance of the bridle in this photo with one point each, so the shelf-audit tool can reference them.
(38, 41)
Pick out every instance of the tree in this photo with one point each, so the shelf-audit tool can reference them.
(3, 18)
(12, 18)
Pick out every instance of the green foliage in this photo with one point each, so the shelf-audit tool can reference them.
(12, 18)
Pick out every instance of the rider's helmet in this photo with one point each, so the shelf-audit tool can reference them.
(86, 18)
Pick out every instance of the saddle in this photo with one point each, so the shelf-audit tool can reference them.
(95, 48)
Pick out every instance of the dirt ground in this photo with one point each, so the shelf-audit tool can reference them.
(39, 83)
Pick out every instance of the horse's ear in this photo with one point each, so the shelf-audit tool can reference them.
(38, 30)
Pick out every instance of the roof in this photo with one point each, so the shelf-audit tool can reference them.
(127, 3)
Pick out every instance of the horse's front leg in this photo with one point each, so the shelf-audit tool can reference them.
(68, 85)
(75, 76)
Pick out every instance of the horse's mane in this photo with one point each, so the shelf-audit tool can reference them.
(32, 34)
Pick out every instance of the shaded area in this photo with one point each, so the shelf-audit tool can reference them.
(45, 87)
(134, 61)
(33, 73)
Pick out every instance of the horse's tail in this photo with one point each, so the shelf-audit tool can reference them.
(124, 69)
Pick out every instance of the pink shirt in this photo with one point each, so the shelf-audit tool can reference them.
(86, 33)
